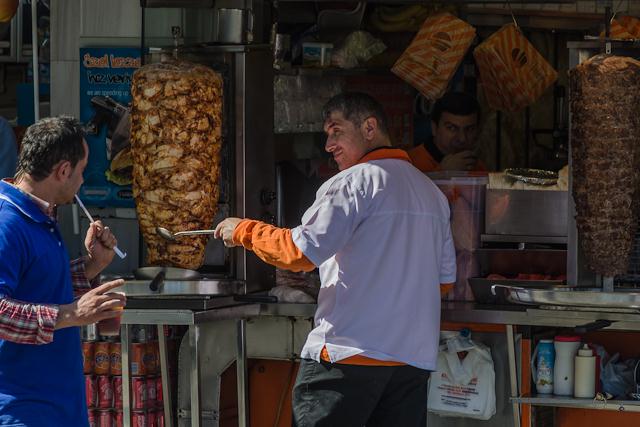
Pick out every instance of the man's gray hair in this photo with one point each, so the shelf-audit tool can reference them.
(357, 107)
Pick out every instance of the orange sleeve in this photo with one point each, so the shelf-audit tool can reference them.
(445, 288)
(271, 244)
(422, 160)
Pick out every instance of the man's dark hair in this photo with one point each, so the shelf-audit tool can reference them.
(48, 142)
(458, 103)
(357, 107)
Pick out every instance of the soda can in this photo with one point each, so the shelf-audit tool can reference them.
(137, 359)
(88, 357)
(156, 351)
(106, 418)
(91, 391)
(151, 419)
(139, 393)
(159, 390)
(117, 392)
(151, 392)
(101, 358)
(115, 358)
(160, 418)
(119, 419)
(149, 358)
(105, 392)
(93, 417)
(139, 419)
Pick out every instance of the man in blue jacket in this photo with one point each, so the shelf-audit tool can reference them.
(41, 379)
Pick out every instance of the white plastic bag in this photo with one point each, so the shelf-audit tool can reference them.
(463, 388)
(358, 48)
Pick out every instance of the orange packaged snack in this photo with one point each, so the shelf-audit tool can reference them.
(434, 54)
(513, 74)
(624, 28)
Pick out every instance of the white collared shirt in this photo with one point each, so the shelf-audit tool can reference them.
(380, 233)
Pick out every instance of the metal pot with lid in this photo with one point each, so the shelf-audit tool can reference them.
(234, 26)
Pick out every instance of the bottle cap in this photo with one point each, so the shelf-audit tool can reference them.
(585, 351)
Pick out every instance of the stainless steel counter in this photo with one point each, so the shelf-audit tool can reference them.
(535, 316)
(509, 316)
(235, 311)
(451, 312)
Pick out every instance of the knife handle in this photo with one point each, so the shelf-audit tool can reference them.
(156, 282)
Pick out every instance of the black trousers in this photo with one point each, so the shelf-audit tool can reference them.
(335, 395)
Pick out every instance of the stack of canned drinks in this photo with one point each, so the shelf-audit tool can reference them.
(102, 359)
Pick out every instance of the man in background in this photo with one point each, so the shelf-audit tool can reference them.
(8, 150)
(454, 127)
(41, 379)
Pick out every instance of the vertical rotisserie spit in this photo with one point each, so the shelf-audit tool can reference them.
(605, 140)
(176, 120)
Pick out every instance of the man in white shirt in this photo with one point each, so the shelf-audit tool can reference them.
(379, 232)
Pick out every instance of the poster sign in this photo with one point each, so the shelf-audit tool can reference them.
(105, 97)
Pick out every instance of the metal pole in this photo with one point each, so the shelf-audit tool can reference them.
(498, 138)
(241, 372)
(513, 375)
(164, 372)
(194, 335)
(607, 284)
(36, 65)
(126, 376)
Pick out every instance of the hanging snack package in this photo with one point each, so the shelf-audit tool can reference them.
(513, 74)
(434, 54)
(624, 28)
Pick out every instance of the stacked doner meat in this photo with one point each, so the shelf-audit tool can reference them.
(175, 142)
(605, 138)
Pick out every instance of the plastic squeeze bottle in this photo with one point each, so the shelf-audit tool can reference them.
(585, 373)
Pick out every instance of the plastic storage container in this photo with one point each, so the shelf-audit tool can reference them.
(466, 195)
(316, 54)
(563, 371)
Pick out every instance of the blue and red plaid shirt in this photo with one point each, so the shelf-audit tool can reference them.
(26, 323)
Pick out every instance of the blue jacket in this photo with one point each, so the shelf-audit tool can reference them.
(40, 385)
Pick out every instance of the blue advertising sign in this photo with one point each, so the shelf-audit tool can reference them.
(105, 96)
